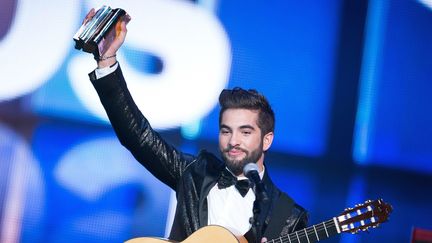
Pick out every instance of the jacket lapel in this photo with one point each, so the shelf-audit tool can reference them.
(214, 169)
(266, 207)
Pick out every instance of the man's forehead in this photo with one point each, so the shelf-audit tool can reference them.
(239, 117)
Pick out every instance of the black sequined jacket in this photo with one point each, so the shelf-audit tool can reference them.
(191, 177)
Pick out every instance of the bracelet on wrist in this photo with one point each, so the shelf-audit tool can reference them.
(102, 58)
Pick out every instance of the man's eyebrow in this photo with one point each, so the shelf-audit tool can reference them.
(223, 126)
(247, 127)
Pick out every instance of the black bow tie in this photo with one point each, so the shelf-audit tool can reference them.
(227, 179)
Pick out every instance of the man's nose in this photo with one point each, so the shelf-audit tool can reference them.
(234, 140)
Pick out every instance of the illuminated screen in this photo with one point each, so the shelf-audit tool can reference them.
(73, 181)
(394, 121)
(64, 176)
(285, 50)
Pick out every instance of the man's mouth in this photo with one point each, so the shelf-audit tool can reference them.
(235, 152)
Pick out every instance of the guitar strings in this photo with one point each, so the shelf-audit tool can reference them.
(319, 227)
(302, 233)
(312, 230)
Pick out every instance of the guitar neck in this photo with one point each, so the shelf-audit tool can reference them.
(313, 233)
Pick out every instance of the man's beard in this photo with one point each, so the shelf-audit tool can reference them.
(236, 166)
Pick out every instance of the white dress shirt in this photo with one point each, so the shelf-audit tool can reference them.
(227, 208)
(102, 72)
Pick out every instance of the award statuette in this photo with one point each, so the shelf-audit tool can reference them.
(97, 34)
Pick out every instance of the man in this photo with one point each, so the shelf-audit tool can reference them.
(203, 182)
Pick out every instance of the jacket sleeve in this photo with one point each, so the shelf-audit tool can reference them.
(135, 133)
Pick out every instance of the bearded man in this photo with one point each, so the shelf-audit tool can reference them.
(208, 189)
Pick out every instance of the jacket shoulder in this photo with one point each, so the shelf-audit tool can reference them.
(210, 159)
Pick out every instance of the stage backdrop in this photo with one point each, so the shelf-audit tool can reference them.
(64, 177)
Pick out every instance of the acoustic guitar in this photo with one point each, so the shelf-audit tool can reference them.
(362, 217)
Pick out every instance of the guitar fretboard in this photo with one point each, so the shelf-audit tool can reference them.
(311, 234)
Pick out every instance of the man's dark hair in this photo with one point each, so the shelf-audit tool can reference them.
(239, 98)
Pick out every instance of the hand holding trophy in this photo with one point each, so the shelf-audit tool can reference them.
(102, 33)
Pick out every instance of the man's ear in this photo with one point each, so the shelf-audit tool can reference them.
(267, 141)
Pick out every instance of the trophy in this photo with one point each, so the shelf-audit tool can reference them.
(97, 34)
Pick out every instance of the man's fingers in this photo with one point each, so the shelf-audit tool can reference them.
(89, 16)
(126, 18)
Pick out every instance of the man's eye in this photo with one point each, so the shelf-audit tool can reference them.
(246, 132)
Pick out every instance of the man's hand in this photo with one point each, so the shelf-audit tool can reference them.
(120, 37)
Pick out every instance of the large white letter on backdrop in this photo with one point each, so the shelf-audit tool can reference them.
(35, 45)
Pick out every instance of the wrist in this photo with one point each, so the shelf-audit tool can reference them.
(106, 60)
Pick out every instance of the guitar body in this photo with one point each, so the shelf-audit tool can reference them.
(360, 218)
(208, 234)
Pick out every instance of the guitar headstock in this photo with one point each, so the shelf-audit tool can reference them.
(364, 216)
